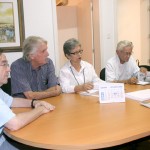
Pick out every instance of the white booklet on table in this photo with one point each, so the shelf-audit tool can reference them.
(140, 95)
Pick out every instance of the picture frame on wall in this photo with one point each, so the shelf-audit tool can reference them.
(12, 32)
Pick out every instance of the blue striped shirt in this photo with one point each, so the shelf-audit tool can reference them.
(24, 78)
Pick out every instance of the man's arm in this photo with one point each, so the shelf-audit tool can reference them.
(110, 74)
(143, 70)
(132, 80)
(53, 91)
(22, 119)
(21, 102)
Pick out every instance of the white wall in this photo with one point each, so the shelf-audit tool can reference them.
(133, 24)
(40, 20)
(145, 32)
(125, 20)
(108, 30)
(128, 20)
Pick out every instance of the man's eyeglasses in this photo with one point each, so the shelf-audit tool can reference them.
(78, 52)
(4, 64)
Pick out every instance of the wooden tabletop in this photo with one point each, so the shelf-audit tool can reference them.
(81, 122)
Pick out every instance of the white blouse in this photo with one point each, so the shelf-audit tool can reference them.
(69, 77)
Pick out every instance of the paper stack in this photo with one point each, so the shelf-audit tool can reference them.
(139, 95)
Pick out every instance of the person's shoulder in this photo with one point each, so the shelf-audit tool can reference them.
(65, 65)
(4, 96)
(86, 63)
(18, 62)
(132, 59)
(49, 61)
(112, 59)
(132, 62)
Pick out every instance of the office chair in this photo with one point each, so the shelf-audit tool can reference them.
(102, 74)
(7, 87)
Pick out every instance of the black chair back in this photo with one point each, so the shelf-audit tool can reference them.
(7, 87)
(102, 74)
(145, 66)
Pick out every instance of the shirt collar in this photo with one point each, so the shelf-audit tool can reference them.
(81, 63)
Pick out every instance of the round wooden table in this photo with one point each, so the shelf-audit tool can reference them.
(81, 122)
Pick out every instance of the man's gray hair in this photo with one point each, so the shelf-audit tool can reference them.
(122, 44)
(30, 46)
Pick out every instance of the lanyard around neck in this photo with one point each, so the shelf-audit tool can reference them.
(75, 76)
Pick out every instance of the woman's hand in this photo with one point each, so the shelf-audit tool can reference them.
(87, 86)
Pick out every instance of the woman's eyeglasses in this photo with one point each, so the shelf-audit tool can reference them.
(77, 52)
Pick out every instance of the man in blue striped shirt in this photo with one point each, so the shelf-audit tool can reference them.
(33, 75)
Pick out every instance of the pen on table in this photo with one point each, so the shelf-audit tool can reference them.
(135, 74)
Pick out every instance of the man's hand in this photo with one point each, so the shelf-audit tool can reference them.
(56, 89)
(133, 80)
(48, 107)
(143, 70)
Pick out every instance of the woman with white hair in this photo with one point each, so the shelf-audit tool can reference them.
(76, 75)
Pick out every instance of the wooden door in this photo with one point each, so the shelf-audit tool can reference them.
(85, 33)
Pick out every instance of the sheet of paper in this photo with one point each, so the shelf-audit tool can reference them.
(144, 77)
(143, 83)
(90, 93)
(146, 103)
(111, 92)
(139, 95)
(94, 91)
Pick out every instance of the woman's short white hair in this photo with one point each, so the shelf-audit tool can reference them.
(122, 44)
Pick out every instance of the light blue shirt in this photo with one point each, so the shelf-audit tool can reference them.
(5, 112)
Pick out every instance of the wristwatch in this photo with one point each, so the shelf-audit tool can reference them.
(33, 102)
